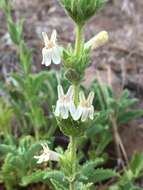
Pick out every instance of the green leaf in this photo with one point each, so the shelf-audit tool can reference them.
(57, 185)
(45, 176)
(136, 164)
(12, 170)
(13, 31)
(126, 116)
(99, 175)
(35, 177)
(5, 149)
(5, 5)
(81, 186)
(6, 115)
(88, 168)
(56, 175)
(25, 57)
(105, 139)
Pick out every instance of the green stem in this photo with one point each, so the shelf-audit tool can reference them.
(73, 152)
(36, 133)
(79, 40)
(73, 161)
(72, 146)
(35, 125)
(76, 90)
(71, 186)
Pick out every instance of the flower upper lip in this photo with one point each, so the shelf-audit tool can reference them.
(52, 40)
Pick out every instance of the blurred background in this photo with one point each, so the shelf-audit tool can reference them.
(123, 19)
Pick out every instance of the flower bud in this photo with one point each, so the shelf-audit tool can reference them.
(73, 76)
(97, 41)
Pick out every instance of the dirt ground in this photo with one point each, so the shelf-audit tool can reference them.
(123, 19)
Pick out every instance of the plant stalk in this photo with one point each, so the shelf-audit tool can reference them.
(73, 148)
(71, 186)
(73, 161)
(76, 92)
(79, 40)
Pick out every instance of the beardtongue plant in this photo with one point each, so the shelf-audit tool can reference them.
(73, 111)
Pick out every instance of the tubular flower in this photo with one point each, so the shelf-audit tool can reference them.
(85, 108)
(51, 52)
(47, 155)
(65, 103)
(97, 41)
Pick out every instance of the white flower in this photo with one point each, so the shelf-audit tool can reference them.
(65, 103)
(85, 108)
(51, 51)
(97, 41)
(47, 155)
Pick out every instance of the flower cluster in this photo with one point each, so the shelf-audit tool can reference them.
(65, 105)
(52, 52)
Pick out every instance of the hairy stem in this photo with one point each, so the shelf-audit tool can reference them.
(79, 40)
(71, 186)
(73, 161)
(72, 146)
(73, 153)
(76, 90)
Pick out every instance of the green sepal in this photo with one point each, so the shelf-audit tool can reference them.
(75, 66)
(72, 128)
(81, 10)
